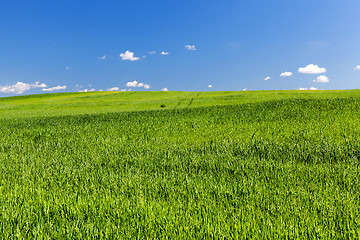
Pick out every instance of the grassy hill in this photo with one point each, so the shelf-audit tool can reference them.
(262, 164)
(60, 104)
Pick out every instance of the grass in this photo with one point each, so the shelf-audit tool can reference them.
(264, 164)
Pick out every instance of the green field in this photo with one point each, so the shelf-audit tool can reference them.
(180, 165)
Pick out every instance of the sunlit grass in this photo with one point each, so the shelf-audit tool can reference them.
(230, 165)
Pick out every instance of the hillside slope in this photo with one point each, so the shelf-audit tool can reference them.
(61, 104)
(248, 165)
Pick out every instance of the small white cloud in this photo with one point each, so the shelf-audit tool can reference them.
(137, 84)
(122, 90)
(286, 74)
(164, 53)
(54, 88)
(88, 90)
(311, 69)
(102, 58)
(245, 89)
(322, 79)
(67, 68)
(267, 78)
(132, 84)
(164, 89)
(129, 56)
(357, 67)
(144, 56)
(190, 47)
(210, 86)
(311, 88)
(114, 89)
(152, 52)
(21, 87)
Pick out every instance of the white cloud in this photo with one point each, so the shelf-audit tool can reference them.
(357, 67)
(137, 84)
(245, 89)
(122, 90)
(54, 88)
(143, 56)
(322, 79)
(114, 89)
(190, 47)
(67, 68)
(102, 58)
(286, 74)
(152, 52)
(21, 87)
(129, 56)
(267, 78)
(88, 90)
(311, 88)
(164, 89)
(132, 84)
(164, 53)
(210, 86)
(312, 69)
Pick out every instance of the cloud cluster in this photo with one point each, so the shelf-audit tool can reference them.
(21, 87)
(322, 79)
(164, 89)
(164, 53)
(286, 74)
(267, 78)
(137, 84)
(190, 47)
(129, 56)
(54, 88)
(311, 88)
(88, 90)
(311, 69)
(114, 89)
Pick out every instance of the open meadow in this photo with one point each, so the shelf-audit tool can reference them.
(224, 165)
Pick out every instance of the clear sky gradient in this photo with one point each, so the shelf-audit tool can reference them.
(234, 45)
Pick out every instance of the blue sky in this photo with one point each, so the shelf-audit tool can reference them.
(56, 46)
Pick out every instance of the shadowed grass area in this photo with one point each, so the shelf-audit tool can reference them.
(277, 164)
